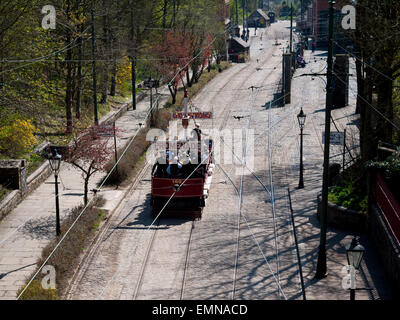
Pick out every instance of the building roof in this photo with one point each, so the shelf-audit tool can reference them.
(241, 42)
(263, 14)
(259, 12)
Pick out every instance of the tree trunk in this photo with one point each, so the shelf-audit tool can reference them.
(86, 191)
(78, 103)
(68, 94)
(173, 93)
(385, 106)
(188, 80)
(113, 87)
(106, 41)
(360, 85)
(369, 142)
(164, 17)
(68, 80)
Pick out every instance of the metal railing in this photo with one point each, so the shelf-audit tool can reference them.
(389, 206)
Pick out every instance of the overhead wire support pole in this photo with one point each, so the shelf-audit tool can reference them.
(291, 28)
(96, 117)
(321, 263)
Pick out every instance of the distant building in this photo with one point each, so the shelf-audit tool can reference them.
(316, 24)
(239, 50)
(258, 19)
(284, 11)
(271, 16)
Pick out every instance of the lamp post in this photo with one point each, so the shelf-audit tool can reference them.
(354, 253)
(301, 117)
(55, 161)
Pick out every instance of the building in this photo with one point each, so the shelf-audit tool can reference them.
(239, 50)
(271, 16)
(258, 19)
(316, 24)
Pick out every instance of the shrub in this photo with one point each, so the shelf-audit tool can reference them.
(35, 291)
(390, 169)
(126, 166)
(17, 138)
(347, 195)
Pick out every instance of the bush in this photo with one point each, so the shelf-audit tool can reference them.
(127, 165)
(390, 169)
(17, 138)
(3, 192)
(35, 291)
(347, 195)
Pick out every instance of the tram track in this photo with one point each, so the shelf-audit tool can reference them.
(226, 115)
(145, 260)
(187, 235)
(102, 236)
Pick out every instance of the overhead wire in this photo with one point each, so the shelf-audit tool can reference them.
(107, 176)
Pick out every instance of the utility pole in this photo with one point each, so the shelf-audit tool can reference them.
(96, 117)
(321, 263)
(133, 62)
(291, 28)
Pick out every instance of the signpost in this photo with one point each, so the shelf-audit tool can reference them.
(337, 138)
(151, 83)
(192, 115)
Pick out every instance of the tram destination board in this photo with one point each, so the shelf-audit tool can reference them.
(192, 115)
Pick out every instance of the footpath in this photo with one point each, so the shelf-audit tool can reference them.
(309, 93)
(27, 229)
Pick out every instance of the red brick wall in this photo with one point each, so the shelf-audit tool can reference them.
(318, 6)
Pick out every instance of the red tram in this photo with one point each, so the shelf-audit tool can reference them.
(187, 181)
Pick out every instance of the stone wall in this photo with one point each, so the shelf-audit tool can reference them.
(16, 196)
(342, 218)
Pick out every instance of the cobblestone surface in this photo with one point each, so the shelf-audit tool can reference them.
(266, 265)
(31, 225)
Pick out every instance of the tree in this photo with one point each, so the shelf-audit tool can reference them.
(90, 153)
(172, 54)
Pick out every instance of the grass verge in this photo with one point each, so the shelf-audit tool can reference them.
(67, 256)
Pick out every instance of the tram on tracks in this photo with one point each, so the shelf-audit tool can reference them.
(181, 176)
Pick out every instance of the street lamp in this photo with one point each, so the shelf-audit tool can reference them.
(354, 253)
(55, 161)
(301, 117)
